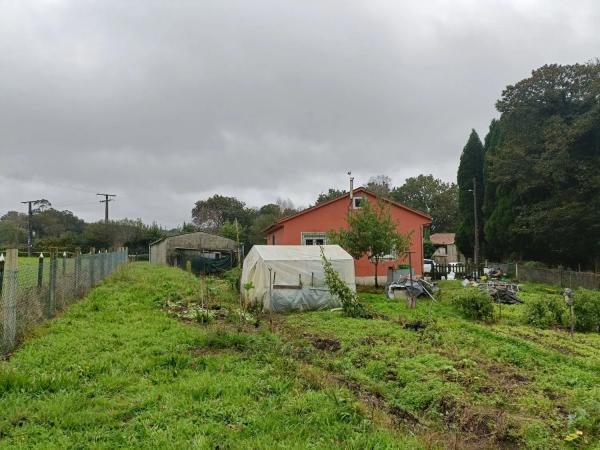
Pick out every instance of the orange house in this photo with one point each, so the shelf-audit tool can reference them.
(309, 227)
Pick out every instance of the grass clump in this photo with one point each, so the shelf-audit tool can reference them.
(474, 304)
(586, 306)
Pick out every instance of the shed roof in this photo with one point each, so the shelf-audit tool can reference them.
(442, 238)
(196, 234)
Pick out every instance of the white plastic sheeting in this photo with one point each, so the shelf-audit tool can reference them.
(291, 277)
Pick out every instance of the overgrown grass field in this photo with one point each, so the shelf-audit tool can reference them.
(134, 365)
(115, 371)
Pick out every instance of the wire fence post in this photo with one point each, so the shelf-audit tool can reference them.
(92, 268)
(40, 279)
(64, 264)
(52, 285)
(101, 261)
(77, 273)
(1, 273)
(9, 300)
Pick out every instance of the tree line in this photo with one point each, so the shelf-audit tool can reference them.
(223, 215)
(54, 229)
(537, 171)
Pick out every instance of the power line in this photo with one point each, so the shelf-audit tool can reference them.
(105, 201)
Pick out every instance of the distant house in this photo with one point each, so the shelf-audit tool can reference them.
(310, 227)
(206, 252)
(445, 248)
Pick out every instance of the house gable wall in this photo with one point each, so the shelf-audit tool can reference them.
(334, 216)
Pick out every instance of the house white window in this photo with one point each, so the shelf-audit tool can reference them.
(356, 202)
(314, 238)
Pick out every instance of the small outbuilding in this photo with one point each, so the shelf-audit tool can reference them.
(445, 248)
(206, 253)
(291, 277)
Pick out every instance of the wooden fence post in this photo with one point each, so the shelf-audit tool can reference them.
(9, 300)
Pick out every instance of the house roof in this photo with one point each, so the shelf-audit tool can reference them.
(280, 222)
(442, 238)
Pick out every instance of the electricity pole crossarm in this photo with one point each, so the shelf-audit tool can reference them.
(107, 198)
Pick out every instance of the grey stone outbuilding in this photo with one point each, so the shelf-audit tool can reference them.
(206, 252)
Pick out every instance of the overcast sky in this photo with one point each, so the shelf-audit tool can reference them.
(167, 102)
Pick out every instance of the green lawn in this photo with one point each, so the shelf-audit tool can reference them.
(117, 371)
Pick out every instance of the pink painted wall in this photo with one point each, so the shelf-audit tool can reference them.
(333, 216)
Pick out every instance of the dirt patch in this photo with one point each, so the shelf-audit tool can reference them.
(328, 344)
(488, 427)
(505, 375)
(403, 416)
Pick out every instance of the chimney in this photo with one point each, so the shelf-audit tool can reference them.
(351, 188)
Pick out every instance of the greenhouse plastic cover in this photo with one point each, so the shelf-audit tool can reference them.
(296, 276)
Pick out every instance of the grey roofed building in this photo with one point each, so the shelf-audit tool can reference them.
(174, 250)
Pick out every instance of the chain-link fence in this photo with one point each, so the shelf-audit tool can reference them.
(33, 290)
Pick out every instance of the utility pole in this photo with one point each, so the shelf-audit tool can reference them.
(105, 201)
(29, 229)
(476, 226)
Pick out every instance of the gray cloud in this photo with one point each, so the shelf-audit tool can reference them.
(166, 102)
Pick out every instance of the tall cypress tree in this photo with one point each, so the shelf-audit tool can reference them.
(471, 167)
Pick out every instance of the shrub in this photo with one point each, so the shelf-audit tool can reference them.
(233, 277)
(586, 306)
(544, 312)
(474, 304)
(350, 304)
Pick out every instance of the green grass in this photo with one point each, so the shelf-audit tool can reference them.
(115, 371)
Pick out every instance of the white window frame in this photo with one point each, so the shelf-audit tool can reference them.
(313, 235)
(354, 202)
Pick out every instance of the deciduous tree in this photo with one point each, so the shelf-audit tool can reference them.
(433, 196)
(371, 231)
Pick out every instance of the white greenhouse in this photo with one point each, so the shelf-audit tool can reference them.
(291, 277)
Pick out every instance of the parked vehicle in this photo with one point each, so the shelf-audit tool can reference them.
(428, 265)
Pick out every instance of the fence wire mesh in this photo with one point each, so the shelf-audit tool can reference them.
(34, 290)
